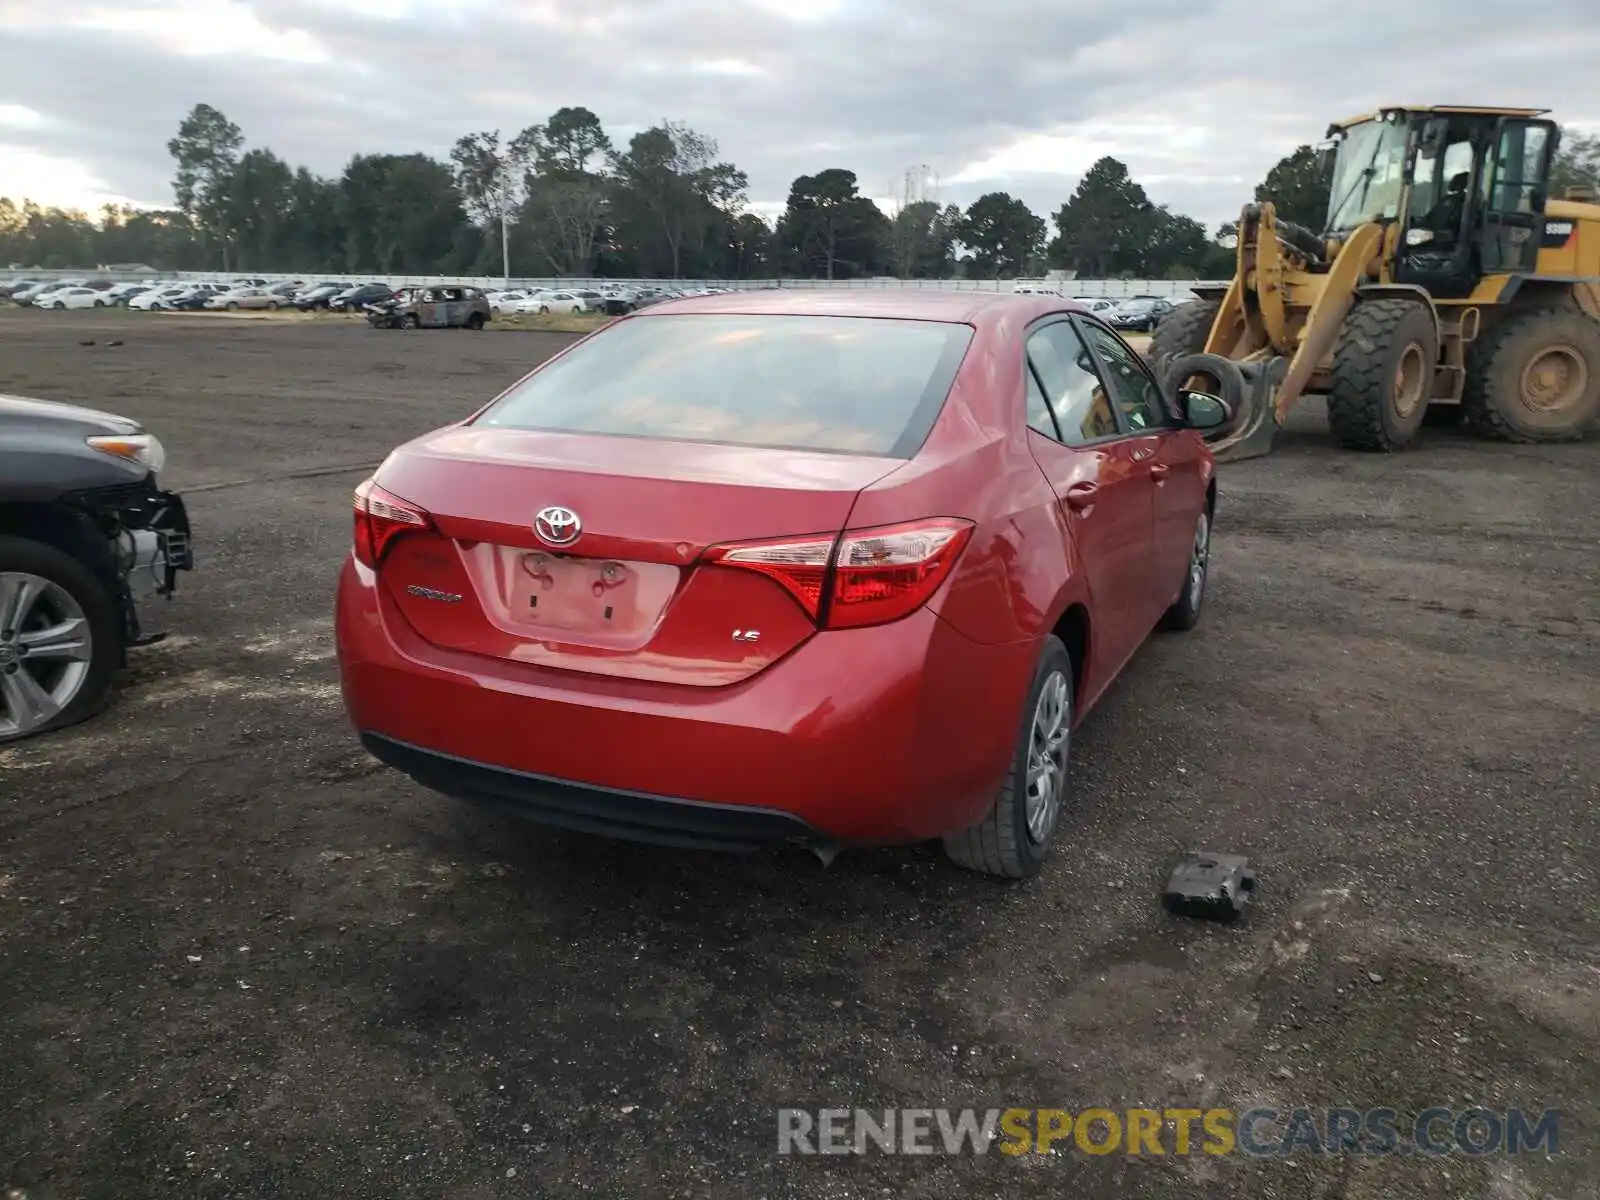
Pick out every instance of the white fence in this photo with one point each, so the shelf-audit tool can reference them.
(1115, 289)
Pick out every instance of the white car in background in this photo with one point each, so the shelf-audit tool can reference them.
(34, 295)
(159, 297)
(1030, 288)
(506, 301)
(1095, 304)
(551, 302)
(72, 297)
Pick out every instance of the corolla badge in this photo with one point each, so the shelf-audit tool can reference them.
(557, 526)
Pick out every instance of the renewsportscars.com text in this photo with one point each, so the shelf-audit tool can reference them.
(1255, 1132)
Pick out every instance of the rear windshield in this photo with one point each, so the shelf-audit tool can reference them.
(849, 385)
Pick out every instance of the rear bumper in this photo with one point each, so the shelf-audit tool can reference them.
(894, 733)
(633, 816)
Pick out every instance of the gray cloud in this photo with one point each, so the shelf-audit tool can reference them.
(1198, 96)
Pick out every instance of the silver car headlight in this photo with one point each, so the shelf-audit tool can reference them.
(142, 448)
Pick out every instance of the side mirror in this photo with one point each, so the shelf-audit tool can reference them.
(1204, 411)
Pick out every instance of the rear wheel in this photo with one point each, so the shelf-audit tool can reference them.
(99, 303)
(1535, 377)
(233, 306)
(409, 321)
(475, 322)
(59, 639)
(1014, 837)
(1383, 368)
(272, 306)
(1185, 611)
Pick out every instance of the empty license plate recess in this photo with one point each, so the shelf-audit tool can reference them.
(606, 599)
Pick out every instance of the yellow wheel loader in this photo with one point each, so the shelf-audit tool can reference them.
(1447, 285)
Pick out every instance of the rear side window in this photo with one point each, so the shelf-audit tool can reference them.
(848, 385)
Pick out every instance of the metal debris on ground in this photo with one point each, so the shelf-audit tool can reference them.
(1215, 887)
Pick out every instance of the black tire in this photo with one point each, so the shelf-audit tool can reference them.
(233, 306)
(1383, 369)
(99, 609)
(409, 321)
(1001, 843)
(99, 303)
(475, 322)
(1494, 398)
(1231, 386)
(272, 306)
(1182, 331)
(60, 306)
(1185, 611)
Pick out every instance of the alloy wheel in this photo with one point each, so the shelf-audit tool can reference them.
(1199, 558)
(46, 647)
(1047, 756)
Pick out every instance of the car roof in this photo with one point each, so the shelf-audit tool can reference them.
(915, 304)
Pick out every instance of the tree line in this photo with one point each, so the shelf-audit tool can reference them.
(666, 204)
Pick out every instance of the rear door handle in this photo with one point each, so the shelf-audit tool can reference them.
(1080, 496)
(1159, 471)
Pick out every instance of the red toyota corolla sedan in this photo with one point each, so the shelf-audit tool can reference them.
(833, 567)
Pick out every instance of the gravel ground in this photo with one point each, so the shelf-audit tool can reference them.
(240, 959)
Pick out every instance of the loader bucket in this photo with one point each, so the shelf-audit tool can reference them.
(1248, 388)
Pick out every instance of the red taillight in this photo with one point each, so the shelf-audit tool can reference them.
(865, 576)
(885, 573)
(799, 565)
(380, 517)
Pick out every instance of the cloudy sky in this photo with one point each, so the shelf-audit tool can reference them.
(1014, 95)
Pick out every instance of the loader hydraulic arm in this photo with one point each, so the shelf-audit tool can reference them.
(1280, 317)
(1331, 305)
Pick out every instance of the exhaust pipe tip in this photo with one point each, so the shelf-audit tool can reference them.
(825, 851)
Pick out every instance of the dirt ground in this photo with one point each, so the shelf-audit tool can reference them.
(241, 959)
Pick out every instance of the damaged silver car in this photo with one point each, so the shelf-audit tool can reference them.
(86, 535)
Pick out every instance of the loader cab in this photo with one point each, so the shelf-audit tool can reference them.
(1466, 188)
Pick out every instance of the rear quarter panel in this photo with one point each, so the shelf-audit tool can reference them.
(1018, 573)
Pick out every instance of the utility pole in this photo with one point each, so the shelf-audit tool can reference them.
(505, 228)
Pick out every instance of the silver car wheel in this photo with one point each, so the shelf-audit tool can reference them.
(46, 647)
(1198, 560)
(1047, 756)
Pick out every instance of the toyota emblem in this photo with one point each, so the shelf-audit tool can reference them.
(557, 526)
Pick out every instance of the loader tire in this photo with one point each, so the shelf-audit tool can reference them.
(1183, 331)
(1535, 377)
(1383, 368)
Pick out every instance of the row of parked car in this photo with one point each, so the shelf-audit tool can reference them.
(1136, 314)
(337, 295)
(228, 295)
(614, 301)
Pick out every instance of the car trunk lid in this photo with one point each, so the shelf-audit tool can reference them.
(631, 593)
